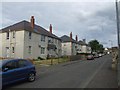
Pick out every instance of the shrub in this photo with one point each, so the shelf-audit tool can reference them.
(40, 58)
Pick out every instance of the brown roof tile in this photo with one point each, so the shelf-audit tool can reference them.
(25, 25)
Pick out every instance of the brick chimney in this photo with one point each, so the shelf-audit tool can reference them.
(71, 36)
(50, 28)
(76, 38)
(32, 22)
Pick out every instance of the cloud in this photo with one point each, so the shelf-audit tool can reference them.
(91, 20)
(58, 1)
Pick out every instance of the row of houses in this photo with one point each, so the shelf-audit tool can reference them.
(27, 40)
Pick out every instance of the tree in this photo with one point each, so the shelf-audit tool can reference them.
(96, 46)
(101, 48)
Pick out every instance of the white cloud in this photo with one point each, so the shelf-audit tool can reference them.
(89, 20)
(58, 1)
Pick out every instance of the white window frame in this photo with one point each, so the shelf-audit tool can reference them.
(30, 35)
(7, 35)
(42, 50)
(43, 38)
(13, 34)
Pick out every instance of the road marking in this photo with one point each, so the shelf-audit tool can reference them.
(84, 85)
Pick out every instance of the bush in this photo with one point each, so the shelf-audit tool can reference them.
(40, 58)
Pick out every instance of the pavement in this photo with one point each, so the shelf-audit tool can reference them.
(74, 74)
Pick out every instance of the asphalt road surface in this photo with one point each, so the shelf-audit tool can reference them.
(75, 74)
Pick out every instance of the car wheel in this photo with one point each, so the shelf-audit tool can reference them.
(31, 77)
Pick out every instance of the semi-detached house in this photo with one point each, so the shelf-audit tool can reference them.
(68, 46)
(73, 47)
(28, 40)
(85, 48)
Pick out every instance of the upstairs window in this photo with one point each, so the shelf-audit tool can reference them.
(50, 40)
(43, 38)
(7, 36)
(30, 35)
(13, 34)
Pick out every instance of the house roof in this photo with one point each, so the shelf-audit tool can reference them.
(25, 25)
(82, 43)
(66, 38)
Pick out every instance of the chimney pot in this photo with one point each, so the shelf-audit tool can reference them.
(71, 36)
(32, 22)
(50, 28)
(76, 38)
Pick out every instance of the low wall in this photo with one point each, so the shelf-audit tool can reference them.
(78, 57)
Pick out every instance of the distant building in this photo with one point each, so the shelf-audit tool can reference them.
(69, 45)
(28, 40)
(85, 48)
(73, 47)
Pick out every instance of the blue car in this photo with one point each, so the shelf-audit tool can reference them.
(16, 70)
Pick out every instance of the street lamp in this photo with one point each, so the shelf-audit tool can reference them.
(118, 21)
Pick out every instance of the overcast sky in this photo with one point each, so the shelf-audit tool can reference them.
(89, 20)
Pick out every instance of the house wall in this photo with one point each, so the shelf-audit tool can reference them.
(21, 44)
(79, 48)
(74, 48)
(89, 49)
(66, 48)
(57, 43)
(84, 49)
(36, 44)
(16, 42)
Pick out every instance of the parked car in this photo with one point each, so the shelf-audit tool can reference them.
(17, 70)
(96, 56)
(90, 57)
(103, 54)
(100, 55)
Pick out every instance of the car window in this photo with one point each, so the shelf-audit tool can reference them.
(11, 65)
(22, 63)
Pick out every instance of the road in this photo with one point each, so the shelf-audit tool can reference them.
(75, 74)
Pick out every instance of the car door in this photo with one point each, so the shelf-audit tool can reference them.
(9, 72)
(23, 69)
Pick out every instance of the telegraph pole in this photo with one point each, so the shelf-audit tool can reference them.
(118, 36)
(117, 20)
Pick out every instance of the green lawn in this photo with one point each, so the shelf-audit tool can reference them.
(51, 61)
